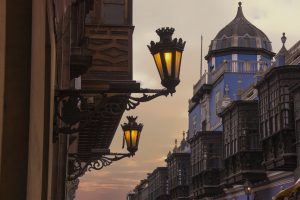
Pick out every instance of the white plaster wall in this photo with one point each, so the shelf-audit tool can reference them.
(234, 57)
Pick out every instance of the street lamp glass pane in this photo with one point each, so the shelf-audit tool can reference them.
(127, 138)
(158, 64)
(134, 134)
(178, 62)
(168, 59)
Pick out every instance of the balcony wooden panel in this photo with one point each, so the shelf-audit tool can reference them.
(280, 152)
(243, 166)
(111, 49)
(100, 129)
(206, 184)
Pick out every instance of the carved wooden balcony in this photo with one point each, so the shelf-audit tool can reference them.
(280, 152)
(206, 163)
(206, 184)
(243, 166)
(242, 151)
(276, 121)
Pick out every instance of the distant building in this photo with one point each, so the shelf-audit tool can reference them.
(235, 55)
(141, 191)
(178, 163)
(224, 99)
(295, 94)
(131, 196)
(277, 132)
(158, 184)
(46, 47)
(244, 121)
(293, 55)
(206, 164)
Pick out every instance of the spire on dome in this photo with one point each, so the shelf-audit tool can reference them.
(240, 33)
(240, 11)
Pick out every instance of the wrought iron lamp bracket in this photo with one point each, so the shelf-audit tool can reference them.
(133, 102)
(69, 103)
(96, 162)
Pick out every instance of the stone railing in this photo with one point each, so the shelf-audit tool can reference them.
(203, 80)
(248, 67)
(251, 67)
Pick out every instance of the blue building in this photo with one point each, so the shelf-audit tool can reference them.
(237, 52)
(237, 57)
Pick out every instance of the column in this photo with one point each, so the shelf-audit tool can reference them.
(15, 66)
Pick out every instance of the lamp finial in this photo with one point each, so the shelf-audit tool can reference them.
(283, 39)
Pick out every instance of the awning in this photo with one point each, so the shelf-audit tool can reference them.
(287, 192)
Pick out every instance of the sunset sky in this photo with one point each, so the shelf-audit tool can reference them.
(165, 119)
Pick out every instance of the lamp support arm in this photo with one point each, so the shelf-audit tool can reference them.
(68, 103)
(96, 162)
(133, 102)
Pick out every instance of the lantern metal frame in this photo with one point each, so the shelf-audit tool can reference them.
(100, 158)
(132, 126)
(169, 77)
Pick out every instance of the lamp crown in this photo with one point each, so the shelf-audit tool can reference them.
(131, 119)
(166, 41)
(165, 34)
(132, 124)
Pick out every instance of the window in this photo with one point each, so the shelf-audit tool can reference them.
(113, 12)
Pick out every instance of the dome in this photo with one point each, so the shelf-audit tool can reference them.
(240, 33)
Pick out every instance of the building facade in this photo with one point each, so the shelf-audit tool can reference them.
(48, 47)
(235, 55)
(243, 120)
(224, 99)
(158, 184)
(206, 164)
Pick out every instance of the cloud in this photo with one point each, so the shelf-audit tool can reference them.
(258, 14)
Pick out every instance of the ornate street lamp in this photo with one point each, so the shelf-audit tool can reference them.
(103, 157)
(167, 56)
(71, 105)
(132, 132)
(247, 189)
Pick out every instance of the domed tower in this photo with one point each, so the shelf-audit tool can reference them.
(235, 55)
(239, 41)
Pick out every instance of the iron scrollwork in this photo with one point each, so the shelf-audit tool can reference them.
(79, 167)
(71, 105)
